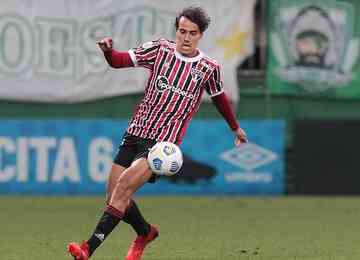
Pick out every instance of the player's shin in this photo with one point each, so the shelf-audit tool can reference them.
(134, 217)
(108, 221)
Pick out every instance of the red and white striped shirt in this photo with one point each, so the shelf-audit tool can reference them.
(174, 89)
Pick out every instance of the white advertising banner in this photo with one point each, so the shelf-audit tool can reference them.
(48, 50)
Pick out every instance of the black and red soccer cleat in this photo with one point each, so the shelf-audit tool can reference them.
(137, 247)
(79, 252)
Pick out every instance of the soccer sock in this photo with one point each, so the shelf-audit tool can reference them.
(106, 224)
(134, 217)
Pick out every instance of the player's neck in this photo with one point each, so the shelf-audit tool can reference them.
(191, 55)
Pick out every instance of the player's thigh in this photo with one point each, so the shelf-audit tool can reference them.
(115, 173)
(136, 175)
(122, 160)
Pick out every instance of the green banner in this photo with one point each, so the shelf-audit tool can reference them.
(314, 48)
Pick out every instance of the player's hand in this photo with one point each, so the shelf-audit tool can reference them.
(240, 137)
(105, 44)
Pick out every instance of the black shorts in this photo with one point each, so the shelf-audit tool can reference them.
(132, 148)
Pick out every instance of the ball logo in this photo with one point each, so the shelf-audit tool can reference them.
(162, 83)
(174, 167)
(157, 162)
(165, 158)
(168, 150)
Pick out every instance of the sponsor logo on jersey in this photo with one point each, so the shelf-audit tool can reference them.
(162, 84)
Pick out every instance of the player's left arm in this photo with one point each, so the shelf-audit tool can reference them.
(223, 105)
(214, 87)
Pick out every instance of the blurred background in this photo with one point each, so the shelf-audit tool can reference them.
(291, 69)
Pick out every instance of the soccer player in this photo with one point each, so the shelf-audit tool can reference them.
(179, 74)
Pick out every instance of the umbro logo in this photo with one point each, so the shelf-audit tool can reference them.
(249, 156)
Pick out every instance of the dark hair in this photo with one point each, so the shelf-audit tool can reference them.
(196, 15)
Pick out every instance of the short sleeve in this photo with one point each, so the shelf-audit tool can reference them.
(145, 54)
(214, 85)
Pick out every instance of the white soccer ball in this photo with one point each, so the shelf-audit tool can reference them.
(165, 158)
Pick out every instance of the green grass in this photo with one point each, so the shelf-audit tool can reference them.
(199, 228)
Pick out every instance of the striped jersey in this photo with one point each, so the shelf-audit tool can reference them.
(173, 91)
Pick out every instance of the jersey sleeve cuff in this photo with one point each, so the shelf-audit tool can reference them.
(133, 57)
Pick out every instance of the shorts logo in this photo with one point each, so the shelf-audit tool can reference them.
(162, 84)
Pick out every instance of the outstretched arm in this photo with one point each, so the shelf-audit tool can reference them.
(223, 105)
(116, 59)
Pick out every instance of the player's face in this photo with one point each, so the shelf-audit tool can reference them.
(187, 37)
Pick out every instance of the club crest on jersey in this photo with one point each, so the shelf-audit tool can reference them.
(196, 74)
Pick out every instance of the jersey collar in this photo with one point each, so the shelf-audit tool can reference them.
(187, 59)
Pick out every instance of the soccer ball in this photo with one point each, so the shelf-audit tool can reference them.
(165, 158)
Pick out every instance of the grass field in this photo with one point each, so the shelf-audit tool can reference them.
(211, 228)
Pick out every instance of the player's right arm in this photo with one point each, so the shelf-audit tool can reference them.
(116, 59)
(143, 55)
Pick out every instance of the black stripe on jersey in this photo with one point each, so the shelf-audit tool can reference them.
(143, 53)
(146, 51)
(184, 120)
(188, 80)
(147, 63)
(169, 97)
(217, 79)
(188, 107)
(156, 71)
(158, 95)
(189, 104)
(170, 68)
(214, 76)
(179, 74)
(170, 130)
(179, 102)
(199, 82)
